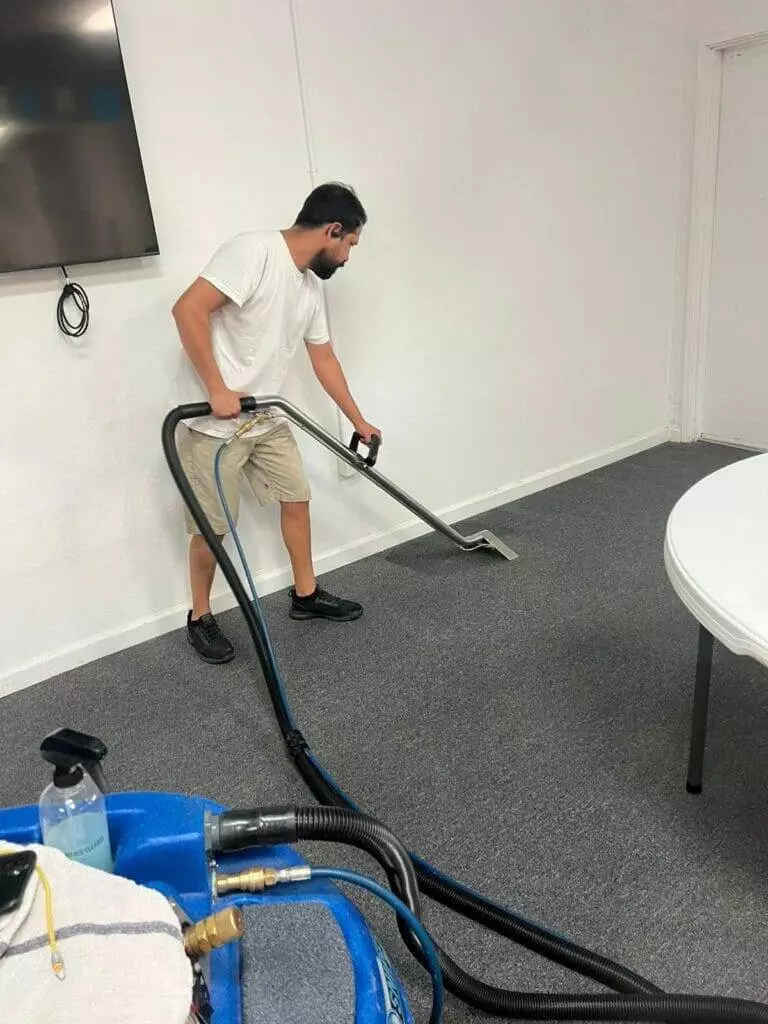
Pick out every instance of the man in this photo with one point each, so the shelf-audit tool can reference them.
(240, 324)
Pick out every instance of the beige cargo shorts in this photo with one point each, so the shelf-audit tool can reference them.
(270, 462)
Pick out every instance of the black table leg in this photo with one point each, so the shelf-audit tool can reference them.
(700, 709)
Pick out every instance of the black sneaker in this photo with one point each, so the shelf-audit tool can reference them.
(322, 605)
(208, 640)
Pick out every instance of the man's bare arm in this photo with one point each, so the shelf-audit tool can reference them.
(330, 374)
(192, 313)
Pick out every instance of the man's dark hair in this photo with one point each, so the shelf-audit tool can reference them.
(332, 203)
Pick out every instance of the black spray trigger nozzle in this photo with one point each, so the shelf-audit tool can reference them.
(66, 748)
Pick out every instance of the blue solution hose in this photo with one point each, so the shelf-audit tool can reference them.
(406, 914)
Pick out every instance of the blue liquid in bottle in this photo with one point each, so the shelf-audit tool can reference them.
(73, 818)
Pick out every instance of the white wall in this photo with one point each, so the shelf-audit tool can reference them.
(520, 161)
(707, 22)
(719, 20)
(514, 295)
(91, 543)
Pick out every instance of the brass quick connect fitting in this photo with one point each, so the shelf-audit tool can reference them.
(258, 879)
(264, 416)
(214, 931)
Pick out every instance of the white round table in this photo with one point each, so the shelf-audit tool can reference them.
(716, 556)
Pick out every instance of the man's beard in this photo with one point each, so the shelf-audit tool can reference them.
(324, 266)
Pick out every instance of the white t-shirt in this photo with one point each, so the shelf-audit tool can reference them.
(274, 307)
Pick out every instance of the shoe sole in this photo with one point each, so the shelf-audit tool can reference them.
(295, 613)
(210, 661)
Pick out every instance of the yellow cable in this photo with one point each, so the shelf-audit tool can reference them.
(57, 961)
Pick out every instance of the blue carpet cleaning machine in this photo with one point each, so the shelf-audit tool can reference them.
(304, 951)
(277, 941)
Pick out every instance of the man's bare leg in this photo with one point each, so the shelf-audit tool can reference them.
(297, 534)
(202, 569)
(309, 601)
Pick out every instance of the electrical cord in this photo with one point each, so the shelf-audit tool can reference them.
(651, 1006)
(406, 915)
(76, 293)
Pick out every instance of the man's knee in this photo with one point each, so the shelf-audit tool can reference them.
(295, 508)
(199, 549)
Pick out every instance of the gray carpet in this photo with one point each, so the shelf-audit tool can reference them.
(523, 725)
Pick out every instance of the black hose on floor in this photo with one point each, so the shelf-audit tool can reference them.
(501, 920)
(245, 829)
(646, 1004)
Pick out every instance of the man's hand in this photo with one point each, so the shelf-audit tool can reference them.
(225, 404)
(366, 431)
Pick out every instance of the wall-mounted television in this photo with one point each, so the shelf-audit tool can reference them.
(72, 185)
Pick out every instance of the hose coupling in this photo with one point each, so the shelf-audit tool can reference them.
(214, 931)
(259, 879)
(255, 421)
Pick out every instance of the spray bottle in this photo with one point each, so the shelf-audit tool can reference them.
(73, 813)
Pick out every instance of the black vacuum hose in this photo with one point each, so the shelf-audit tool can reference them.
(243, 830)
(266, 826)
(568, 954)
(238, 830)
(533, 1006)
(172, 420)
(502, 921)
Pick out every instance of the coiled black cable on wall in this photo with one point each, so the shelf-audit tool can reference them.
(74, 293)
(640, 999)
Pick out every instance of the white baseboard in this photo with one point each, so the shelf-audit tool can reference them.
(729, 442)
(675, 435)
(66, 658)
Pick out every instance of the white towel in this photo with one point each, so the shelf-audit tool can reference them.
(121, 944)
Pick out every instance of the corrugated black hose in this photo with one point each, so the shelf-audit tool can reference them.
(640, 999)
(239, 830)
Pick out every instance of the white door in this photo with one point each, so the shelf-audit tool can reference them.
(735, 407)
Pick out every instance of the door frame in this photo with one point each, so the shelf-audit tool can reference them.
(709, 85)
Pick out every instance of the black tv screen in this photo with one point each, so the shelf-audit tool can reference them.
(72, 186)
